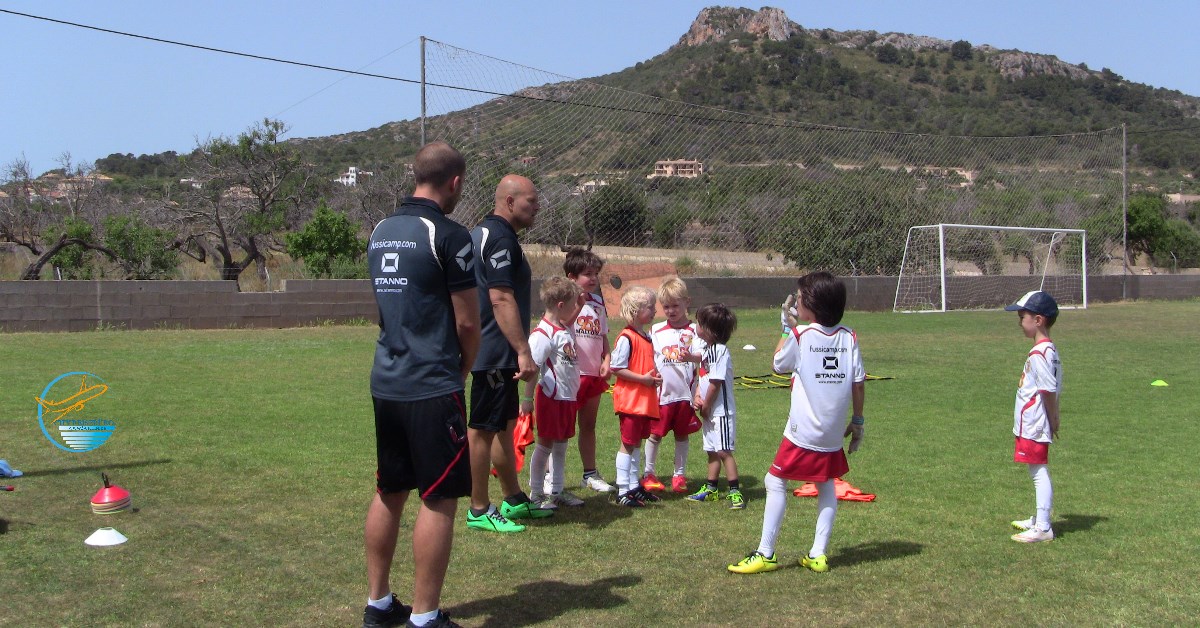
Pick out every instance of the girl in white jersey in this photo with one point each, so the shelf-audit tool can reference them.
(827, 381)
(1035, 417)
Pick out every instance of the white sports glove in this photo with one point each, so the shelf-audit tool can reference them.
(788, 313)
(855, 431)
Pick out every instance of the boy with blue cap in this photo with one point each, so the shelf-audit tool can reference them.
(1035, 417)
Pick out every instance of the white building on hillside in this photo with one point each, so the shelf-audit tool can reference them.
(352, 176)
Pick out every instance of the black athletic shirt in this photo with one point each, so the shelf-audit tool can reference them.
(417, 257)
(502, 264)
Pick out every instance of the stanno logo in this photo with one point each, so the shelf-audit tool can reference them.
(464, 257)
(501, 259)
(391, 262)
(829, 362)
(67, 412)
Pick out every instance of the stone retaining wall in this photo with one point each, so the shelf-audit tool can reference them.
(88, 305)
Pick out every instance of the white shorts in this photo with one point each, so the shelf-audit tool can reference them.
(720, 433)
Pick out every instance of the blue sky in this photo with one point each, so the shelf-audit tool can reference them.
(91, 94)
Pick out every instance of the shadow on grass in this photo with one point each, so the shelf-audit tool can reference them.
(3, 526)
(537, 602)
(598, 512)
(874, 551)
(1070, 524)
(101, 467)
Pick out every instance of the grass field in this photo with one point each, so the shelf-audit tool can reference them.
(249, 455)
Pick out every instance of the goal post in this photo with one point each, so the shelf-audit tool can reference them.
(960, 267)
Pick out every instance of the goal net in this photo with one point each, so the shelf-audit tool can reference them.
(961, 267)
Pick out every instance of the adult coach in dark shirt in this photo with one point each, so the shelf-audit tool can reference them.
(422, 271)
(503, 275)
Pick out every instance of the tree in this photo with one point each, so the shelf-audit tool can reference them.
(329, 240)
(142, 251)
(1146, 220)
(887, 53)
(960, 50)
(1178, 244)
(616, 214)
(853, 222)
(249, 188)
(31, 218)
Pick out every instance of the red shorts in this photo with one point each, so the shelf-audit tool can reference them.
(554, 419)
(634, 428)
(1030, 451)
(806, 465)
(679, 417)
(591, 386)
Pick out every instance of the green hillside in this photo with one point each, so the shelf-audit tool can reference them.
(863, 80)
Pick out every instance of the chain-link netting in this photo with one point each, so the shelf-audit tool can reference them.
(747, 194)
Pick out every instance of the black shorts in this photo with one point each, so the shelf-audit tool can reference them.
(494, 399)
(422, 445)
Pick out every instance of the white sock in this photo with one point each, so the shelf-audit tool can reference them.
(681, 452)
(423, 618)
(776, 506)
(382, 603)
(826, 513)
(1043, 494)
(537, 469)
(622, 471)
(558, 465)
(651, 455)
(635, 463)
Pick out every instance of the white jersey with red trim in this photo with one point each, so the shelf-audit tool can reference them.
(553, 350)
(1042, 373)
(824, 362)
(678, 376)
(591, 334)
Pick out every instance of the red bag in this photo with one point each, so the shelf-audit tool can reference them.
(522, 438)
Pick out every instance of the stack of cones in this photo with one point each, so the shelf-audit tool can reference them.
(110, 499)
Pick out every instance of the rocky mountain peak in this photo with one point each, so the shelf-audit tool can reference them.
(717, 23)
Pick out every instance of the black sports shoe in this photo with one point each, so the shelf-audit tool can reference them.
(441, 621)
(646, 496)
(396, 615)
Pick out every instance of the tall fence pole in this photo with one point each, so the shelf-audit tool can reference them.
(1124, 212)
(422, 90)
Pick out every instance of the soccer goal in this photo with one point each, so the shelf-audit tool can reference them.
(961, 267)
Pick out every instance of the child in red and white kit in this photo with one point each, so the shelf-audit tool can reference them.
(552, 344)
(827, 383)
(591, 342)
(676, 357)
(1035, 417)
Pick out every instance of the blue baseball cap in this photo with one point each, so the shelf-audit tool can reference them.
(1037, 302)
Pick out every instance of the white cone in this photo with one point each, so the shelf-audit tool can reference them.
(749, 348)
(104, 537)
